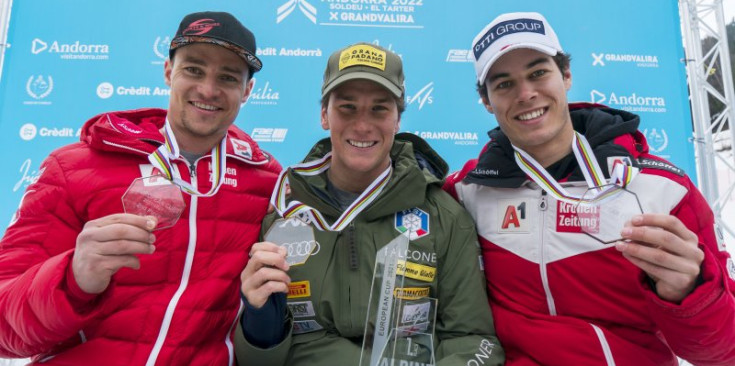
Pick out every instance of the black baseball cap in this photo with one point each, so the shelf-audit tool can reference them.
(219, 28)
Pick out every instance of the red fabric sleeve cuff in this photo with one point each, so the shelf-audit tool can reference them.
(701, 297)
(80, 300)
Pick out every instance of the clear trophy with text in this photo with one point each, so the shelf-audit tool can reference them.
(603, 211)
(399, 328)
(154, 196)
(296, 236)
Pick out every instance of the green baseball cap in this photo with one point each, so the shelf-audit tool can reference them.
(364, 61)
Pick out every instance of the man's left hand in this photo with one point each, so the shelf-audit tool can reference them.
(666, 250)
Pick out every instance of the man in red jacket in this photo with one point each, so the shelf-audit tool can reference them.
(82, 283)
(663, 283)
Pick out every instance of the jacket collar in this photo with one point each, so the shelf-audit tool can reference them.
(138, 131)
(610, 132)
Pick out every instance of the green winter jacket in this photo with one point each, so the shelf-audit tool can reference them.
(328, 312)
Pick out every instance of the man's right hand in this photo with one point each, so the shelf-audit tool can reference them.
(265, 273)
(107, 244)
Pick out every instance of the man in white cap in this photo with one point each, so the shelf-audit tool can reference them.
(636, 278)
(85, 279)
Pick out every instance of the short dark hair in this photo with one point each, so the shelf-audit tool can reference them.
(400, 102)
(562, 61)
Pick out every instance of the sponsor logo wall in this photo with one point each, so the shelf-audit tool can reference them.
(58, 74)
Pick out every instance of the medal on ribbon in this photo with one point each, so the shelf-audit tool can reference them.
(154, 196)
(160, 195)
(294, 235)
(605, 207)
(294, 227)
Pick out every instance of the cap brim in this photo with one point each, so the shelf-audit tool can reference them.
(249, 58)
(363, 75)
(534, 46)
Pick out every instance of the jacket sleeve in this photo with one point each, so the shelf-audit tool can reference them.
(464, 327)
(249, 354)
(314, 348)
(40, 306)
(702, 328)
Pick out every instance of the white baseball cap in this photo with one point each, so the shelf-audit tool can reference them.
(509, 32)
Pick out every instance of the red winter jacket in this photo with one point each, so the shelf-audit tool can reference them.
(181, 306)
(560, 297)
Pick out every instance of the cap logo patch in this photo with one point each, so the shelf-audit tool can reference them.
(200, 27)
(364, 55)
(506, 28)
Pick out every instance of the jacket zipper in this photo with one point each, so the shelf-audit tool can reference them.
(543, 206)
(605, 346)
(168, 315)
(125, 147)
(171, 308)
(349, 235)
(352, 247)
(193, 170)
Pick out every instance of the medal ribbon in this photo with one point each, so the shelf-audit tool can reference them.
(162, 157)
(622, 174)
(294, 208)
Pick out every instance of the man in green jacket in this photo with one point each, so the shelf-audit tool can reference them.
(370, 185)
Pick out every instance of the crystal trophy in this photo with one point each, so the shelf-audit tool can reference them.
(411, 341)
(399, 328)
(603, 211)
(296, 236)
(154, 196)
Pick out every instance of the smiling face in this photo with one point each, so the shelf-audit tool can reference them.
(208, 84)
(528, 95)
(362, 119)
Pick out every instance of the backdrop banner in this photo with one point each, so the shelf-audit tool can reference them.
(71, 60)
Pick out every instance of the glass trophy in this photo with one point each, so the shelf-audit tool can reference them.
(603, 211)
(296, 236)
(411, 341)
(154, 196)
(399, 328)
